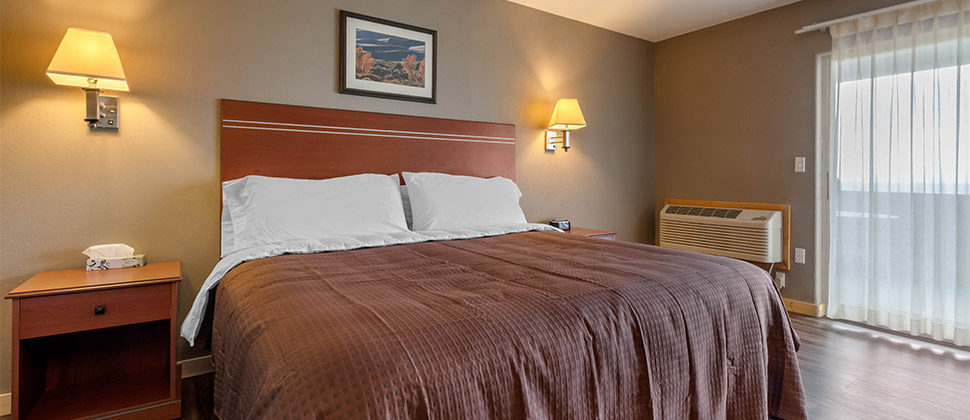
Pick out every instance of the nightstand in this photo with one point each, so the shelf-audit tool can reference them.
(592, 233)
(97, 344)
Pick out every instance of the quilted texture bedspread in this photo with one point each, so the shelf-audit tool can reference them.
(538, 325)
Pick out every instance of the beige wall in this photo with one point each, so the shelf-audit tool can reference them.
(735, 104)
(155, 183)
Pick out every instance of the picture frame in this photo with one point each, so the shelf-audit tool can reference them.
(385, 59)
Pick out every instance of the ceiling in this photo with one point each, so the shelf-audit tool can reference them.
(653, 20)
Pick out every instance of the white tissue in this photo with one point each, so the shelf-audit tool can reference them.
(109, 251)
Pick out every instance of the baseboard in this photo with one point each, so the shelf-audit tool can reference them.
(804, 308)
(197, 366)
(5, 404)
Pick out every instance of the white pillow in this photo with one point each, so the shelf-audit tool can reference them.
(228, 236)
(442, 201)
(407, 206)
(259, 210)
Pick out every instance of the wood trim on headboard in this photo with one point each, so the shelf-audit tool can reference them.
(785, 221)
(316, 143)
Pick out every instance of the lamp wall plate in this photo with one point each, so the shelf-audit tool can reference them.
(552, 137)
(557, 136)
(106, 116)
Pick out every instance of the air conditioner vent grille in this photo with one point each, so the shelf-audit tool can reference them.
(704, 211)
(737, 239)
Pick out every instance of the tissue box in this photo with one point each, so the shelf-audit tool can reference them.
(136, 260)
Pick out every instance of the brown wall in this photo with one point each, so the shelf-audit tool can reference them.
(155, 184)
(735, 105)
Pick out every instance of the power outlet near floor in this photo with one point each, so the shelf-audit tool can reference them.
(780, 280)
(799, 255)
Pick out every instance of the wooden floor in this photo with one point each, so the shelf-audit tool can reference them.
(849, 372)
(853, 372)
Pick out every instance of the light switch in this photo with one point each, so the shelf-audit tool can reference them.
(800, 164)
(799, 255)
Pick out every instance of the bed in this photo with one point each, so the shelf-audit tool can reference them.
(493, 322)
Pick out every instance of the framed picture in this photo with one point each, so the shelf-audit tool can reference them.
(387, 59)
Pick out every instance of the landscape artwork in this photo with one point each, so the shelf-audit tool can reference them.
(389, 59)
(386, 59)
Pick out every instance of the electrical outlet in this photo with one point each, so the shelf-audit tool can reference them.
(800, 164)
(799, 255)
(780, 279)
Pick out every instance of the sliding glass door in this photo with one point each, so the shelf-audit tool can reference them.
(898, 154)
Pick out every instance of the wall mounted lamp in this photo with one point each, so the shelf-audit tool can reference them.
(89, 59)
(566, 117)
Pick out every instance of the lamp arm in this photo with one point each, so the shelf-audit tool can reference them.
(92, 104)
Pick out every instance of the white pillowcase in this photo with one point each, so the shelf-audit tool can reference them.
(442, 201)
(407, 206)
(259, 210)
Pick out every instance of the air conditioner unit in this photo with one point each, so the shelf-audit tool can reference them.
(753, 235)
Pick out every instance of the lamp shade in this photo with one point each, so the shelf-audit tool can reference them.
(567, 115)
(85, 54)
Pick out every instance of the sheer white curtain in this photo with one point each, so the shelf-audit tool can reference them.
(899, 209)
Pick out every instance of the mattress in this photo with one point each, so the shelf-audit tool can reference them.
(525, 325)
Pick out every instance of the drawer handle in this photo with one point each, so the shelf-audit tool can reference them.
(99, 310)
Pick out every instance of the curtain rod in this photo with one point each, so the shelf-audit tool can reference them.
(824, 25)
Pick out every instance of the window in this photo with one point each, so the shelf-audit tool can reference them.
(896, 116)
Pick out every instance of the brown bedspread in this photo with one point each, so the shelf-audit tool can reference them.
(536, 325)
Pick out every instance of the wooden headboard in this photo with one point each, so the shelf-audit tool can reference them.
(316, 143)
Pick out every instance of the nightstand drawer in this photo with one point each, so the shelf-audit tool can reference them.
(58, 314)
